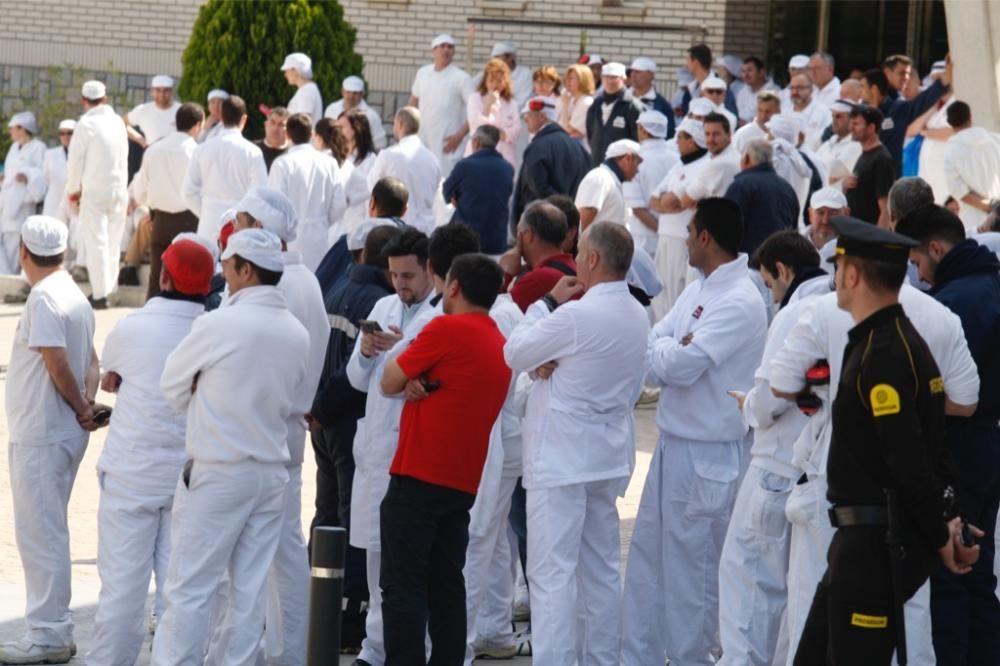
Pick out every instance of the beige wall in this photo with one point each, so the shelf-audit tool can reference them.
(974, 36)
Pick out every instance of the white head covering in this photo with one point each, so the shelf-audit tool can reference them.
(622, 147)
(547, 107)
(503, 48)
(300, 62)
(258, 246)
(67, 124)
(192, 236)
(785, 126)
(644, 64)
(591, 59)
(358, 236)
(842, 106)
(272, 209)
(162, 81)
(217, 93)
(25, 119)
(732, 63)
(828, 197)
(44, 236)
(613, 69)
(93, 90)
(655, 123)
(701, 107)
(695, 129)
(798, 61)
(713, 82)
(443, 38)
(353, 84)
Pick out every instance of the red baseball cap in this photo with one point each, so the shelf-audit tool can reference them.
(191, 267)
(224, 233)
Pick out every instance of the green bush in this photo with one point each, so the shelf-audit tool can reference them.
(240, 46)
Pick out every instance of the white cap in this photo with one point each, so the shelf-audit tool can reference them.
(217, 93)
(93, 90)
(644, 64)
(828, 197)
(272, 209)
(613, 69)
(25, 119)
(162, 81)
(713, 82)
(798, 62)
(842, 106)
(358, 236)
(503, 48)
(543, 104)
(353, 84)
(622, 147)
(67, 124)
(655, 123)
(732, 63)
(443, 38)
(192, 236)
(694, 129)
(700, 106)
(44, 236)
(785, 126)
(258, 246)
(591, 59)
(300, 62)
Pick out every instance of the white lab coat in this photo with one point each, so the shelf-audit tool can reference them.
(19, 200)
(815, 118)
(154, 122)
(822, 333)
(54, 171)
(374, 120)
(309, 178)
(442, 99)
(717, 175)
(931, 163)
(746, 135)
(657, 160)
(579, 451)
(972, 164)
(160, 179)
(308, 100)
(829, 93)
(839, 154)
(601, 190)
(790, 165)
(746, 100)
(356, 191)
(220, 172)
(671, 581)
(417, 167)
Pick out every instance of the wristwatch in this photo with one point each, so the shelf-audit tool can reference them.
(550, 302)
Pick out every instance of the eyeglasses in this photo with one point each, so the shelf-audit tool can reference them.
(65, 133)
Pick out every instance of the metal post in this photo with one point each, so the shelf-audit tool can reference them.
(326, 593)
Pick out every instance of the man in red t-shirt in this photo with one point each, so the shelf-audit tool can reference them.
(541, 233)
(456, 381)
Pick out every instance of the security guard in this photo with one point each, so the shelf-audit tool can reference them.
(891, 477)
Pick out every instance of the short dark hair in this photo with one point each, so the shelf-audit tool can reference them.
(479, 278)
(876, 77)
(891, 61)
(723, 220)
(755, 61)
(299, 128)
(547, 222)
(376, 242)
(233, 109)
(267, 277)
(932, 223)
(871, 115)
(714, 117)
(391, 196)
(879, 275)
(790, 248)
(702, 54)
(410, 241)
(448, 242)
(44, 261)
(569, 209)
(959, 114)
(188, 115)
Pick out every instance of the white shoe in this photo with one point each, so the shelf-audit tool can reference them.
(485, 648)
(152, 622)
(25, 651)
(648, 398)
(522, 610)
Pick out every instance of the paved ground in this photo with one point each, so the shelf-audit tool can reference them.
(83, 508)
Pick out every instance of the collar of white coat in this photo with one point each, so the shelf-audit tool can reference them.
(177, 308)
(408, 139)
(298, 148)
(616, 287)
(225, 131)
(293, 257)
(100, 110)
(727, 273)
(262, 295)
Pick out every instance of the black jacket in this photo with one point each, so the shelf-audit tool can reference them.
(768, 204)
(554, 163)
(622, 124)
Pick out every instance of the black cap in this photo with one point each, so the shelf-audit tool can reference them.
(857, 238)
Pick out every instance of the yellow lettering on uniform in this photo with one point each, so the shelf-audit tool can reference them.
(884, 400)
(869, 621)
(937, 386)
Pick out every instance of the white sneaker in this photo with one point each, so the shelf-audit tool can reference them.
(26, 652)
(648, 398)
(486, 648)
(522, 610)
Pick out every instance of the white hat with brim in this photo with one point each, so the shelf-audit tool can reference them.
(694, 129)
(543, 104)
(713, 83)
(443, 38)
(655, 123)
(798, 62)
(44, 236)
(732, 63)
(842, 106)
(94, 90)
(353, 84)
(162, 81)
(503, 48)
(643, 64)
(25, 119)
(828, 197)
(621, 148)
(272, 210)
(615, 69)
(217, 93)
(701, 107)
(258, 246)
(299, 62)
(67, 125)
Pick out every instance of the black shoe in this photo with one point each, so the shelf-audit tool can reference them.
(98, 303)
(128, 276)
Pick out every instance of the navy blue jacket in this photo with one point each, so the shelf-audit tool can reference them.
(554, 163)
(621, 124)
(899, 114)
(482, 184)
(768, 204)
(335, 265)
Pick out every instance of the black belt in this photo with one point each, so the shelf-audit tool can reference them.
(853, 516)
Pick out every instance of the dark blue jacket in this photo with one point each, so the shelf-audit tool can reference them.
(899, 114)
(482, 184)
(768, 204)
(335, 265)
(554, 163)
(621, 124)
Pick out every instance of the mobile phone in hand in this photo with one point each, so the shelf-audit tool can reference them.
(369, 326)
(102, 415)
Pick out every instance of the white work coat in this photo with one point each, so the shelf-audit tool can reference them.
(601, 190)
(154, 122)
(747, 134)
(160, 179)
(54, 171)
(972, 164)
(356, 190)
(220, 172)
(411, 162)
(828, 94)
(579, 426)
(725, 316)
(374, 120)
(18, 200)
(657, 160)
(931, 163)
(790, 165)
(310, 180)
(746, 100)
(815, 118)
(839, 155)
(676, 181)
(97, 165)
(307, 100)
(247, 377)
(716, 176)
(442, 98)
(378, 432)
(145, 442)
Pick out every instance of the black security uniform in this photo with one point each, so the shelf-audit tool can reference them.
(888, 441)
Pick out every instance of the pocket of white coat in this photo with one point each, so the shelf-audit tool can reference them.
(713, 489)
(767, 515)
(800, 508)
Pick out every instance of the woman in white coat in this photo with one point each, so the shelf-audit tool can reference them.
(23, 186)
(360, 157)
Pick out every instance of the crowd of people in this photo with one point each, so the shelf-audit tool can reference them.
(462, 321)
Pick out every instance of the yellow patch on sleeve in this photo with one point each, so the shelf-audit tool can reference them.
(937, 386)
(884, 400)
(869, 621)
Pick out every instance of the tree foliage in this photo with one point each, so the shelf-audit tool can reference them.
(239, 46)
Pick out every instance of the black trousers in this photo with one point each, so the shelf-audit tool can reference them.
(425, 532)
(166, 226)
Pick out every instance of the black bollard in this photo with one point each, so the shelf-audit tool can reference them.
(326, 592)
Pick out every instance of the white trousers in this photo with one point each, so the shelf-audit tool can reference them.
(10, 248)
(752, 570)
(101, 229)
(672, 579)
(574, 557)
(41, 480)
(496, 608)
(228, 518)
(133, 541)
(373, 646)
(672, 267)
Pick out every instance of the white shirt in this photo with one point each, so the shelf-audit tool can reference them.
(160, 179)
(307, 100)
(972, 164)
(414, 164)
(600, 189)
(356, 190)
(839, 154)
(717, 175)
(98, 157)
(154, 122)
(829, 93)
(56, 315)
(790, 165)
(746, 100)
(931, 160)
(725, 315)
(443, 98)
(815, 118)
(248, 376)
(657, 160)
(747, 134)
(146, 439)
(220, 172)
(676, 181)
(19, 200)
(54, 171)
(579, 425)
(374, 120)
